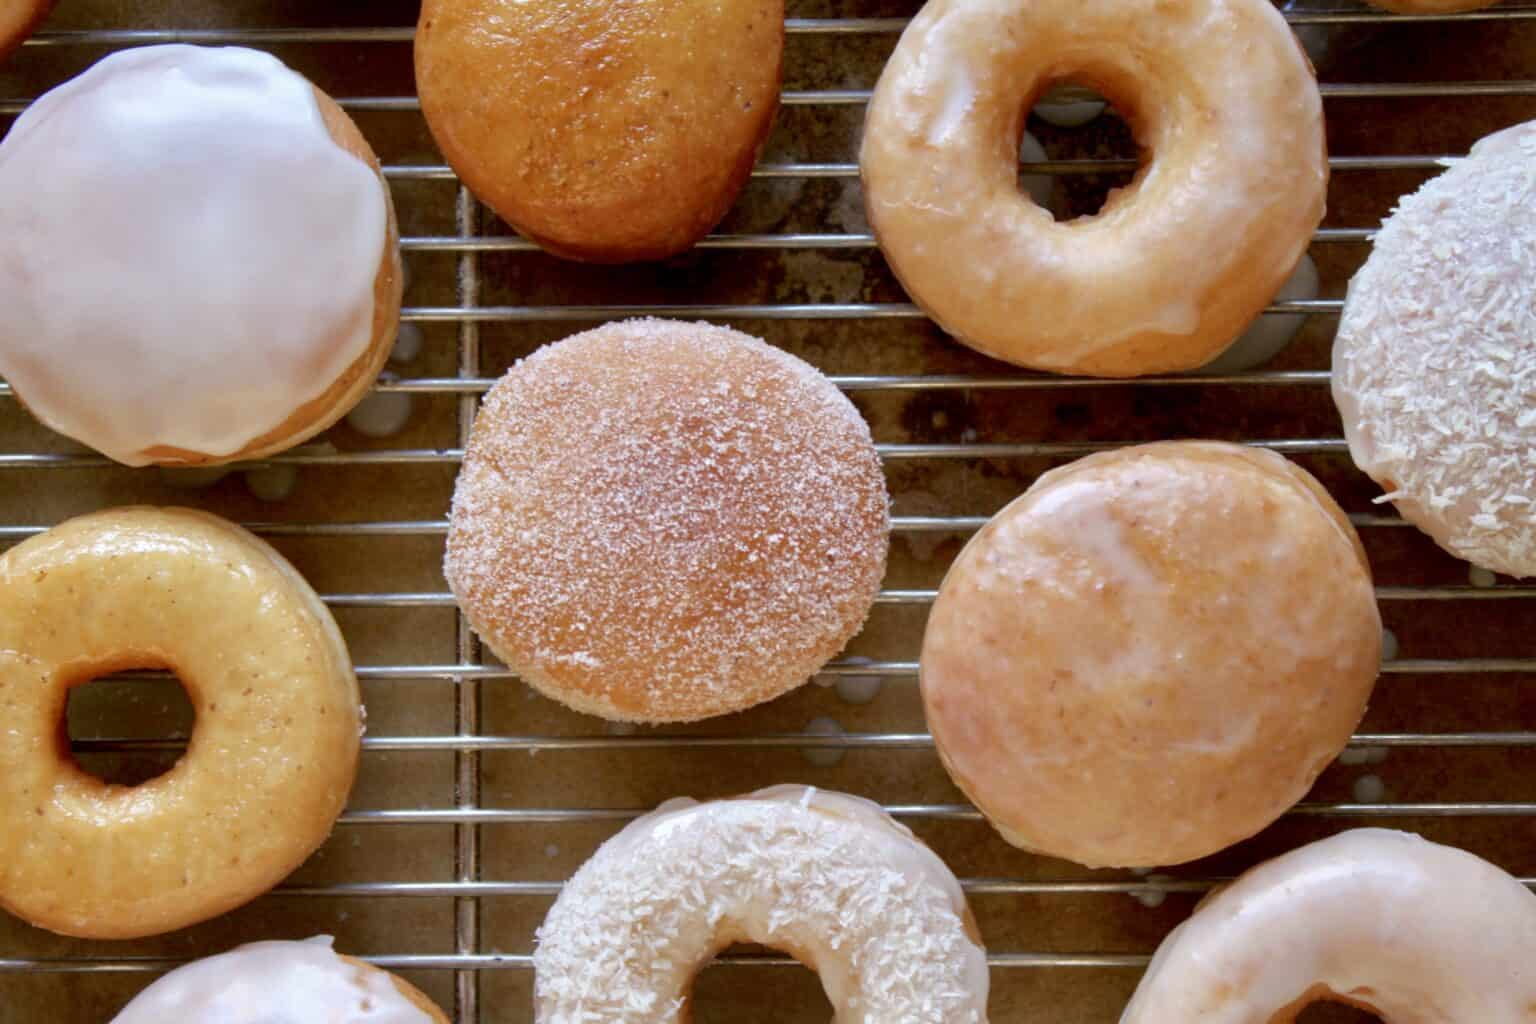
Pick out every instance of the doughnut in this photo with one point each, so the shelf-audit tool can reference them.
(271, 758)
(198, 256)
(827, 878)
(1151, 654)
(18, 18)
(660, 522)
(1176, 265)
(1391, 923)
(281, 983)
(1434, 372)
(603, 131)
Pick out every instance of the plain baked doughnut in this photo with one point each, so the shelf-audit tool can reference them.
(1434, 369)
(198, 257)
(281, 983)
(603, 130)
(660, 522)
(1409, 930)
(18, 18)
(1152, 653)
(1174, 267)
(272, 754)
(828, 878)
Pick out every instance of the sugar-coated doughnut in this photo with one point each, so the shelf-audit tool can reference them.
(659, 522)
(281, 983)
(828, 878)
(1408, 930)
(1434, 367)
(271, 758)
(17, 20)
(198, 257)
(1219, 93)
(603, 130)
(1152, 653)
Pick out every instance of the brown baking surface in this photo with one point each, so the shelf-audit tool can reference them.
(1053, 922)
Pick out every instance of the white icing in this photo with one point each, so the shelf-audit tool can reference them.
(828, 876)
(186, 256)
(274, 983)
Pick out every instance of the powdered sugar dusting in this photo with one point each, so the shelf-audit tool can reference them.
(1435, 362)
(827, 877)
(659, 521)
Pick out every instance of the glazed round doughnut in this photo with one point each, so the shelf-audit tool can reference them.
(18, 18)
(827, 878)
(597, 129)
(660, 522)
(281, 983)
(198, 254)
(1217, 91)
(1433, 363)
(271, 758)
(1403, 928)
(1152, 653)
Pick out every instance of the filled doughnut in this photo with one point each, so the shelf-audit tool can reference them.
(1151, 654)
(281, 983)
(198, 257)
(660, 522)
(1403, 928)
(17, 20)
(1434, 370)
(603, 131)
(271, 757)
(827, 878)
(1175, 266)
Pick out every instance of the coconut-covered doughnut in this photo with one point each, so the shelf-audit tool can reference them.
(1408, 930)
(659, 521)
(271, 758)
(828, 878)
(1152, 653)
(1434, 364)
(198, 257)
(17, 20)
(1175, 266)
(281, 983)
(603, 130)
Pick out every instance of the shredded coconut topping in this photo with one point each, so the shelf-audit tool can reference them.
(1435, 362)
(827, 877)
(659, 521)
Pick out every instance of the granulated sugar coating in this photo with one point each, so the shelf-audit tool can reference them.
(660, 522)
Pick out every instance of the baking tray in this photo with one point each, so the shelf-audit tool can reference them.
(476, 797)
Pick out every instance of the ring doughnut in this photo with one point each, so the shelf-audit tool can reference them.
(1404, 928)
(828, 878)
(281, 983)
(659, 522)
(1433, 361)
(162, 330)
(1218, 91)
(271, 757)
(1152, 653)
(18, 18)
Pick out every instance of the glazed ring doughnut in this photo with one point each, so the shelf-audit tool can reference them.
(281, 983)
(1403, 928)
(1174, 267)
(18, 18)
(828, 878)
(271, 758)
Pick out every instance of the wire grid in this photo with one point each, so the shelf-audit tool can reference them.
(467, 740)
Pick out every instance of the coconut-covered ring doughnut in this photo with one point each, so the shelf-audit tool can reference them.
(659, 521)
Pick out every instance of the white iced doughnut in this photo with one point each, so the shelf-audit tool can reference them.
(280, 983)
(1434, 369)
(1412, 931)
(827, 878)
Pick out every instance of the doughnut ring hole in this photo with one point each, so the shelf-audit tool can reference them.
(1327, 1008)
(1103, 139)
(798, 994)
(100, 705)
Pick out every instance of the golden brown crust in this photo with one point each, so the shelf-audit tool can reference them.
(18, 20)
(273, 752)
(417, 997)
(604, 130)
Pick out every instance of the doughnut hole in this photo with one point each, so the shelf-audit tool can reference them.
(1322, 1012)
(1111, 141)
(116, 728)
(778, 993)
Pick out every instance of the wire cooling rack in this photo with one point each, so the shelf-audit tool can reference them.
(476, 798)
